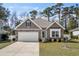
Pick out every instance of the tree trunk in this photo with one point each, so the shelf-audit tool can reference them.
(65, 24)
(59, 18)
(77, 24)
(48, 18)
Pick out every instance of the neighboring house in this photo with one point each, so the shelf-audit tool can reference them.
(1, 28)
(77, 22)
(75, 32)
(34, 30)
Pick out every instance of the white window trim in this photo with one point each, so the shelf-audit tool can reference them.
(55, 30)
(27, 29)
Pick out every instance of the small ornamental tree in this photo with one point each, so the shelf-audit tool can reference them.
(71, 24)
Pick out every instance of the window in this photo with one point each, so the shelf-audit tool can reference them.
(28, 23)
(54, 33)
(57, 34)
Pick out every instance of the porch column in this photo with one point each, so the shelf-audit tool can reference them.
(41, 34)
(46, 34)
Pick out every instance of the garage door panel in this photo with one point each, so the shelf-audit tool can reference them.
(27, 36)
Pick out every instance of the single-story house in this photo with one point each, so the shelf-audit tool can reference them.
(34, 30)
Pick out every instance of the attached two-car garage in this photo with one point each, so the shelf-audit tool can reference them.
(28, 36)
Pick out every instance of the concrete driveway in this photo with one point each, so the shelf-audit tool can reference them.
(21, 49)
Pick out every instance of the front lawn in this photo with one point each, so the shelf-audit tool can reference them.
(59, 49)
(5, 43)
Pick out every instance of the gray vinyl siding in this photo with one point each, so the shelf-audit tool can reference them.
(23, 26)
(54, 26)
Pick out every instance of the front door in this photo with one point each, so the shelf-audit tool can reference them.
(43, 34)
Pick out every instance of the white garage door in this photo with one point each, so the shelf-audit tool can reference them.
(28, 36)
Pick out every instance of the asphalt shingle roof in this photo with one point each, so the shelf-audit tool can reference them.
(42, 22)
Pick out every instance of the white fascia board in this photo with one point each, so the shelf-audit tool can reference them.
(19, 24)
(27, 29)
(53, 23)
(31, 21)
(36, 24)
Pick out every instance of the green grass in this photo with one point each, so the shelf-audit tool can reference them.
(5, 43)
(59, 49)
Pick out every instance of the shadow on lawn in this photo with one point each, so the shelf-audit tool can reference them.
(71, 41)
(5, 41)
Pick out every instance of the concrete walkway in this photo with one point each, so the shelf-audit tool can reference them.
(21, 49)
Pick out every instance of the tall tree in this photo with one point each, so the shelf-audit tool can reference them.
(58, 8)
(65, 14)
(18, 22)
(76, 10)
(47, 12)
(13, 20)
(33, 14)
(4, 13)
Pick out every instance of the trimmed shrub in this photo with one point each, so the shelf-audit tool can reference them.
(14, 39)
(74, 37)
(59, 40)
(65, 39)
(4, 37)
(66, 31)
(55, 40)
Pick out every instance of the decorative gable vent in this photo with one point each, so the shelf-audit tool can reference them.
(28, 23)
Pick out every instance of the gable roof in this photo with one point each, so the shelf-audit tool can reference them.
(76, 29)
(56, 23)
(42, 22)
(31, 21)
